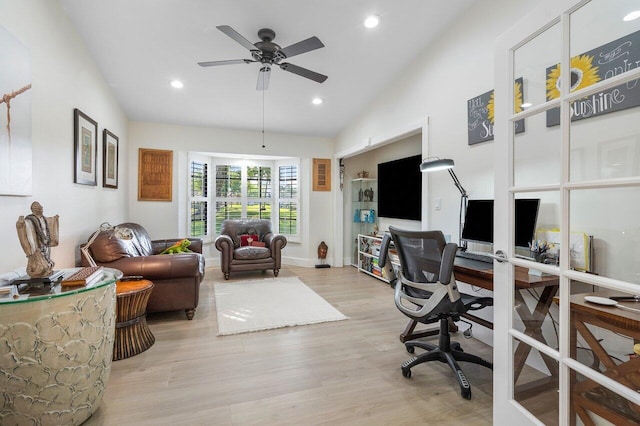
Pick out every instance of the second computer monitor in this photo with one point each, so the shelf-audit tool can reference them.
(478, 224)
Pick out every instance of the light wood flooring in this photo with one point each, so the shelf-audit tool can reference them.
(337, 373)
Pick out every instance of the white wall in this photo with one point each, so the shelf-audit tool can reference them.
(369, 161)
(455, 68)
(64, 77)
(163, 219)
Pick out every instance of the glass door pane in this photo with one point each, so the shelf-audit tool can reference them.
(536, 385)
(603, 335)
(536, 146)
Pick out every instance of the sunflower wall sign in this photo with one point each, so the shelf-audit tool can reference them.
(604, 62)
(481, 110)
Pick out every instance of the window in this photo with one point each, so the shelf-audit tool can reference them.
(228, 194)
(198, 215)
(288, 200)
(243, 189)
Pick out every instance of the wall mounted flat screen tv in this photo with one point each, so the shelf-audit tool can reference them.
(400, 189)
(478, 223)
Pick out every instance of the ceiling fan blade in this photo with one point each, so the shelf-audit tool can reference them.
(263, 78)
(229, 62)
(236, 36)
(312, 43)
(304, 72)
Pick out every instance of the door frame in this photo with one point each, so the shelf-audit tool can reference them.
(505, 407)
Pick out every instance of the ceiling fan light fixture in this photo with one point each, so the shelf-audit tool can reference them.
(317, 101)
(177, 84)
(372, 21)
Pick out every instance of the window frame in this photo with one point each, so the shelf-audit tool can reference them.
(244, 199)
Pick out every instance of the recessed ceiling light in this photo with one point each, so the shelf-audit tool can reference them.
(372, 21)
(177, 84)
(632, 15)
(317, 101)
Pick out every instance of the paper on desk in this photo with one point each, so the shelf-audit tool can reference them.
(578, 246)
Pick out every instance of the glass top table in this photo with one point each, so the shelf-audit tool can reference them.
(35, 292)
(57, 350)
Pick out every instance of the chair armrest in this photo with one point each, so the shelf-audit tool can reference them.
(446, 266)
(224, 243)
(384, 248)
(161, 266)
(160, 245)
(275, 242)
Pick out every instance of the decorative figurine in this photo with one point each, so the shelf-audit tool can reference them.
(368, 193)
(322, 255)
(37, 234)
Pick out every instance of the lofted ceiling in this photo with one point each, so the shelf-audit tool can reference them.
(140, 46)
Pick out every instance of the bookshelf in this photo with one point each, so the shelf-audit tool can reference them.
(368, 256)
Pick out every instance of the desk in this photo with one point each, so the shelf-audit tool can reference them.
(481, 275)
(588, 395)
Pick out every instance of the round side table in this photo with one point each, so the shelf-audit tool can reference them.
(56, 352)
(132, 332)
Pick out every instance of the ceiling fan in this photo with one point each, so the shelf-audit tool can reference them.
(268, 53)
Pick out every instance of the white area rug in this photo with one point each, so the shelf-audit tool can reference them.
(245, 306)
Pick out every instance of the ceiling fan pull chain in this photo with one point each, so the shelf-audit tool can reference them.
(263, 146)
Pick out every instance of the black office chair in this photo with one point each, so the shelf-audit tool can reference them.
(426, 291)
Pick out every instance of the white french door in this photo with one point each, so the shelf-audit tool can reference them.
(580, 155)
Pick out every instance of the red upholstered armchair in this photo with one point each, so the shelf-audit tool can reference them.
(249, 245)
(176, 277)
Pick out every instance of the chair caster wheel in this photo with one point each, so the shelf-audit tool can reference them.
(406, 372)
(411, 349)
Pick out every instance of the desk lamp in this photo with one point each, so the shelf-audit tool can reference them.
(432, 164)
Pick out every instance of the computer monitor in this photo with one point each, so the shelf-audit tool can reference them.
(478, 222)
(526, 218)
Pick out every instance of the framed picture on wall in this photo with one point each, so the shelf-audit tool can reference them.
(109, 159)
(322, 174)
(155, 168)
(85, 136)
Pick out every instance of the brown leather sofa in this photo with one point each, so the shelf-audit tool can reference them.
(249, 245)
(176, 277)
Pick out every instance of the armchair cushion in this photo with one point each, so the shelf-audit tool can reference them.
(251, 253)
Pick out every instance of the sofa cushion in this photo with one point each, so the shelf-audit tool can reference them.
(141, 239)
(107, 248)
(251, 253)
(247, 239)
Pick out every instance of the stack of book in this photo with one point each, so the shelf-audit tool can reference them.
(85, 276)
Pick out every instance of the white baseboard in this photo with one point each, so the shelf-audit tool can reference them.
(292, 261)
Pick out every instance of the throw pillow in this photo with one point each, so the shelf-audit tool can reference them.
(247, 239)
(258, 244)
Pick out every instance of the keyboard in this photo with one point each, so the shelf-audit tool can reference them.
(480, 257)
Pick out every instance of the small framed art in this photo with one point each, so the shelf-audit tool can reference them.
(85, 136)
(109, 159)
(322, 174)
